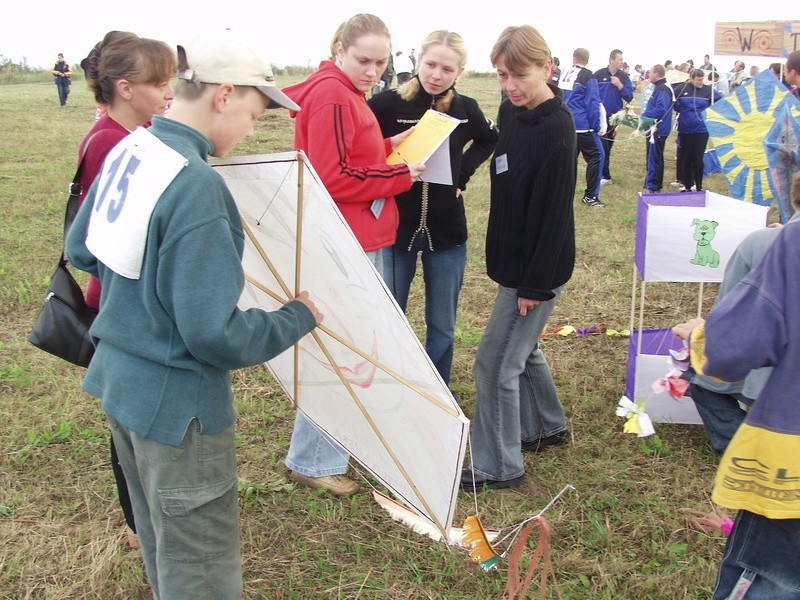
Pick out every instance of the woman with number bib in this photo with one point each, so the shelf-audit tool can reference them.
(130, 77)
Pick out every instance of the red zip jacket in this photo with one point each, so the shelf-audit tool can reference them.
(343, 141)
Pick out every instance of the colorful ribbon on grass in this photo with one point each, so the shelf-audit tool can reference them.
(637, 421)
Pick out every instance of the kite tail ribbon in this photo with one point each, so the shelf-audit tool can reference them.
(516, 587)
(481, 551)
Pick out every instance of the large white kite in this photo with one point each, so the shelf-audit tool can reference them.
(362, 376)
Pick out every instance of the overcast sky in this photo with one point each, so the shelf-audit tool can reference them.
(294, 33)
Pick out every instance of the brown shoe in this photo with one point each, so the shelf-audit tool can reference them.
(338, 485)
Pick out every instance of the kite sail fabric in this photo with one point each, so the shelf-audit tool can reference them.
(741, 127)
(782, 145)
(362, 376)
(691, 236)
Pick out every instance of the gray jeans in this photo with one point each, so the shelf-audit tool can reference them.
(185, 503)
(516, 396)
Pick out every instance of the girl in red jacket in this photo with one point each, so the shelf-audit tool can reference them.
(343, 141)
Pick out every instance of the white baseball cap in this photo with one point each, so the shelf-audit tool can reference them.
(222, 57)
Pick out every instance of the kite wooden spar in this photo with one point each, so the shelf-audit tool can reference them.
(362, 376)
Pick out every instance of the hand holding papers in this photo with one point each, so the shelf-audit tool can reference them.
(425, 145)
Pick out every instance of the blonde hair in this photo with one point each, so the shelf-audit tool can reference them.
(520, 47)
(440, 37)
(581, 56)
(353, 28)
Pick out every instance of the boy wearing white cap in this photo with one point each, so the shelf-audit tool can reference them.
(161, 230)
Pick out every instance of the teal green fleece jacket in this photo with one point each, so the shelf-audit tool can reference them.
(167, 341)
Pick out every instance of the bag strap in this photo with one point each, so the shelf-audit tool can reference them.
(74, 189)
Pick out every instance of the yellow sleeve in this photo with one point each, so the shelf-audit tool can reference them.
(697, 348)
(697, 351)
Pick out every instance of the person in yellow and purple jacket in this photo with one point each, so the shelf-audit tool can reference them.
(759, 474)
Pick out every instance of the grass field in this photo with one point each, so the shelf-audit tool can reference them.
(620, 535)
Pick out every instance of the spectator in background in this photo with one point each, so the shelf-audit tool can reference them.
(720, 84)
(753, 71)
(583, 100)
(413, 56)
(707, 66)
(616, 90)
(555, 76)
(388, 74)
(668, 65)
(738, 75)
(659, 110)
(791, 73)
(692, 98)
(776, 69)
(62, 75)
(403, 67)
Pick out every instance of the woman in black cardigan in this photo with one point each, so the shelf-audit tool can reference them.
(432, 218)
(530, 254)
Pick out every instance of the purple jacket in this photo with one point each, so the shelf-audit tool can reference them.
(757, 324)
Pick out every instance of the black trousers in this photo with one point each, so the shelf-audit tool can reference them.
(122, 488)
(608, 141)
(590, 146)
(693, 146)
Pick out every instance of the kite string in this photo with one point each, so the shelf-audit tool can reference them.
(516, 530)
(472, 472)
(268, 202)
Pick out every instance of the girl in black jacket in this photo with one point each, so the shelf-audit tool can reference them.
(432, 218)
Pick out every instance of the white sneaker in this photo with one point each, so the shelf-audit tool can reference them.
(605, 181)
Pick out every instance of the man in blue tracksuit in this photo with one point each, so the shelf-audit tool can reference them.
(583, 99)
(692, 98)
(616, 90)
(659, 110)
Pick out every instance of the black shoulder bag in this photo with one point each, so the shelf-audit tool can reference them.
(62, 327)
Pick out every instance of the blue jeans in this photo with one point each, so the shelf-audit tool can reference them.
(311, 452)
(516, 396)
(185, 502)
(761, 558)
(443, 273)
(63, 85)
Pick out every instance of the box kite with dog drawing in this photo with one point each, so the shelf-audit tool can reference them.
(690, 236)
(680, 237)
